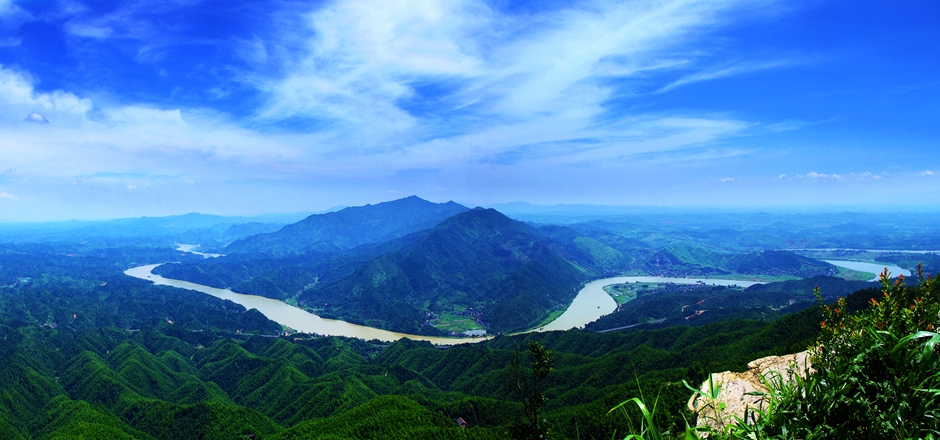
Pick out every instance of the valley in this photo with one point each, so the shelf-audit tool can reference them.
(307, 331)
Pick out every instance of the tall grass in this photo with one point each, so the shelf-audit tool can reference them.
(874, 375)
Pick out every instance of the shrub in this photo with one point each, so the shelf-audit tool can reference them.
(874, 375)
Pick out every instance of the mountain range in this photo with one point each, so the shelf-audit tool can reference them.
(348, 228)
(399, 265)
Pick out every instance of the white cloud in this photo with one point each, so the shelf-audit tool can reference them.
(84, 142)
(394, 85)
(726, 179)
(507, 82)
(36, 118)
(927, 173)
(723, 72)
(364, 57)
(571, 54)
(815, 175)
(8, 196)
(88, 31)
(252, 50)
(6, 7)
(16, 89)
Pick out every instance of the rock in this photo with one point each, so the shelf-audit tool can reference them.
(733, 389)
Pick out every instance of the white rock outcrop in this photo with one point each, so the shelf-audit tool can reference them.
(733, 388)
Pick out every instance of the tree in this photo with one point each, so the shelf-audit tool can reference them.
(527, 384)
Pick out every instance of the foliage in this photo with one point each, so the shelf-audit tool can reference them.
(668, 304)
(874, 375)
(527, 383)
(476, 259)
(89, 352)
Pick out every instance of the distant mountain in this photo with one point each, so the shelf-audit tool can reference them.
(676, 260)
(480, 259)
(208, 230)
(676, 304)
(779, 263)
(690, 260)
(600, 251)
(348, 228)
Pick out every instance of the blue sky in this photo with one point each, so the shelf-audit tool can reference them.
(116, 109)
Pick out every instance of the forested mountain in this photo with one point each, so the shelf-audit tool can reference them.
(468, 261)
(600, 251)
(509, 272)
(170, 382)
(478, 259)
(89, 352)
(348, 228)
(669, 304)
(700, 261)
(742, 233)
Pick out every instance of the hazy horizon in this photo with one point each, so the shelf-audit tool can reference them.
(129, 109)
(572, 211)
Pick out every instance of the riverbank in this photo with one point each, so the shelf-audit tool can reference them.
(293, 317)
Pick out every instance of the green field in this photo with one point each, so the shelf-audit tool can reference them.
(855, 275)
(455, 323)
(625, 292)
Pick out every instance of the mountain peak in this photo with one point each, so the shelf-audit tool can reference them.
(350, 227)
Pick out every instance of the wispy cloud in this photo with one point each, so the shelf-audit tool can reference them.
(428, 93)
(16, 89)
(855, 176)
(36, 118)
(364, 57)
(724, 72)
(88, 31)
(86, 140)
(499, 82)
(8, 196)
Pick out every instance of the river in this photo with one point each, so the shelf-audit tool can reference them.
(293, 317)
(876, 251)
(191, 249)
(593, 301)
(874, 268)
(589, 305)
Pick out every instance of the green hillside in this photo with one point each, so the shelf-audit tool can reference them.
(161, 383)
(479, 259)
(677, 260)
(95, 355)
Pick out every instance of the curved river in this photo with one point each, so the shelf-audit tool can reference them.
(293, 317)
(873, 268)
(591, 303)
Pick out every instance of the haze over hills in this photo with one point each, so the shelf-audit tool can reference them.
(374, 264)
(93, 351)
(348, 228)
(207, 229)
(674, 260)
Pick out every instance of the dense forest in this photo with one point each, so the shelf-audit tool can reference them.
(90, 352)
(176, 381)
(396, 264)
